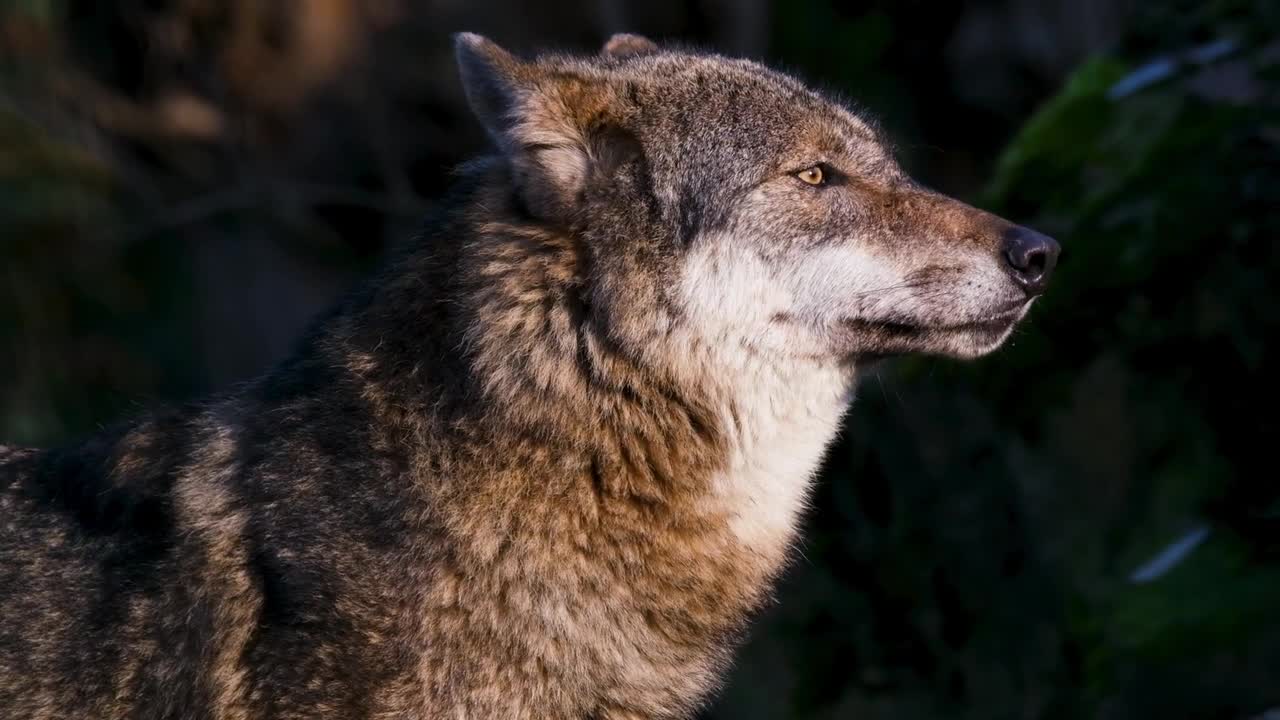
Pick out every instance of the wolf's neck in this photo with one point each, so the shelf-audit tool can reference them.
(782, 421)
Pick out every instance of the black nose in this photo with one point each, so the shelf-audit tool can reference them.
(1031, 257)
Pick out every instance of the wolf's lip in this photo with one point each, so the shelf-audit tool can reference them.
(995, 322)
(994, 325)
(905, 328)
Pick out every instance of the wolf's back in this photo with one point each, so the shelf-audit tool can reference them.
(82, 605)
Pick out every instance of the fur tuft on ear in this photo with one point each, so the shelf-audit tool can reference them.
(627, 44)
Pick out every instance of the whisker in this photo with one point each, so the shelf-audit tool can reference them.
(910, 284)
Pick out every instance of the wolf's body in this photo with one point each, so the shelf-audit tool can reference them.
(547, 464)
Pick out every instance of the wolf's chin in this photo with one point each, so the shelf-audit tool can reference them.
(973, 346)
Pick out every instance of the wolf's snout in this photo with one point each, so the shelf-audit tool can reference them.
(1031, 257)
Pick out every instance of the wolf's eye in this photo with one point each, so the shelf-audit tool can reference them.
(812, 175)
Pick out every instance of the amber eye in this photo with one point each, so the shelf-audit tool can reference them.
(812, 175)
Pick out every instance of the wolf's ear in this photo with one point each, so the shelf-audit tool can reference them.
(627, 44)
(493, 79)
(551, 126)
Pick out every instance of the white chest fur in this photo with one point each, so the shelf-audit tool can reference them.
(779, 434)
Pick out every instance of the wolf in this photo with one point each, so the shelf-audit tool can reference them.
(548, 462)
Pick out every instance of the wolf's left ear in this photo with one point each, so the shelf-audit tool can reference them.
(551, 126)
(493, 79)
(627, 44)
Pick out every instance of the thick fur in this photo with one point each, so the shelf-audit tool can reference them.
(547, 464)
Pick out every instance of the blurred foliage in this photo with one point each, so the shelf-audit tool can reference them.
(60, 293)
(183, 183)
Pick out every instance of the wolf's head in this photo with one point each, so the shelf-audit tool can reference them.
(717, 198)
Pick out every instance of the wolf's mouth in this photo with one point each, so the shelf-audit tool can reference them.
(994, 325)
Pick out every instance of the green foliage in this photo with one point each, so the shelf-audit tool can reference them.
(1168, 202)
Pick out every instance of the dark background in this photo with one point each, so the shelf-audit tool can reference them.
(183, 184)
